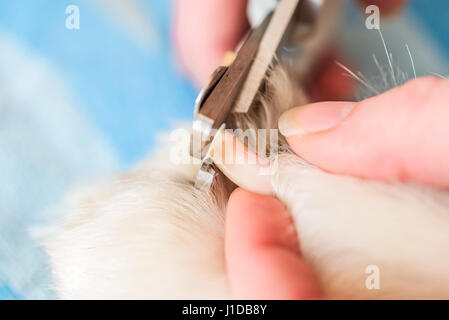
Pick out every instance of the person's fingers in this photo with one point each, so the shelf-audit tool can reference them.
(262, 254)
(399, 135)
(205, 30)
(387, 7)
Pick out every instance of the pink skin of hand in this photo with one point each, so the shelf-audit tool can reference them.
(400, 135)
(262, 252)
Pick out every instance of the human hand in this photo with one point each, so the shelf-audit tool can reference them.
(400, 135)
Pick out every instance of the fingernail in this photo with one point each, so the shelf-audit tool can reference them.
(314, 118)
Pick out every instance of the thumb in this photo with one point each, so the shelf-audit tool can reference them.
(262, 254)
(402, 134)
